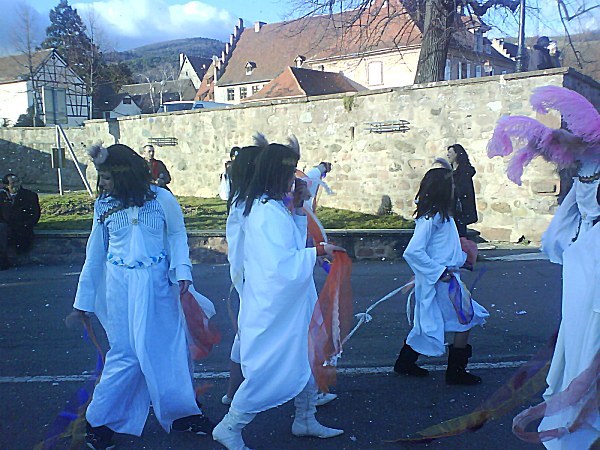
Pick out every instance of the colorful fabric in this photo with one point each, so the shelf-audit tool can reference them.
(331, 321)
(582, 394)
(529, 380)
(202, 334)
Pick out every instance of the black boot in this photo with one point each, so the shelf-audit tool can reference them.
(456, 373)
(99, 438)
(405, 364)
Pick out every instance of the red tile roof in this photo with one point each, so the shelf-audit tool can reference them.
(276, 46)
(297, 82)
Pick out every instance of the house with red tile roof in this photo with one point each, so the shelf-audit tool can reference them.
(295, 82)
(374, 52)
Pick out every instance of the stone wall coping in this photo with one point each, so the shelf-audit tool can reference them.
(466, 81)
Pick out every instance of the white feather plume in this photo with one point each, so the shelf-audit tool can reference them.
(98, 153)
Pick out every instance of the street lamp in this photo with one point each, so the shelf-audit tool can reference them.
(521, 52)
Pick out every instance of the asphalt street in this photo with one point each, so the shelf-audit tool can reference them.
(42, 363)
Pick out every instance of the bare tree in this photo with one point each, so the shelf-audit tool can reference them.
(25, 43)
(437, 20)
(569, 12)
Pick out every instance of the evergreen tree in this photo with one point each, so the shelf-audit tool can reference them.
(67, 34)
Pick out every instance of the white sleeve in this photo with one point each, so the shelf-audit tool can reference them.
(92, 273)
(416, 256)
(180, 266)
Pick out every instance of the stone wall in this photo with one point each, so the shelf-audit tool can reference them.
(366, 165)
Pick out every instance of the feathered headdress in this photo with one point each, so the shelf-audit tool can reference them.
(558, 146)
(98, 153)
(261, 141)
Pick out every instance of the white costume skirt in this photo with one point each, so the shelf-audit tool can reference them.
(148, 360)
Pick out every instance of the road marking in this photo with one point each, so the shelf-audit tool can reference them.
(519, 257)
(350, 371)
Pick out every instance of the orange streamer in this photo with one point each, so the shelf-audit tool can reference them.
(203, 333)
(331, 322)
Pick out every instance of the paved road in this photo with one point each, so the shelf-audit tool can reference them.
(42, 363)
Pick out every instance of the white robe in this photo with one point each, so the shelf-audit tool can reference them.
(579, 334)
(278, 298)
(129, 280)
(435, 246)
(234, 233)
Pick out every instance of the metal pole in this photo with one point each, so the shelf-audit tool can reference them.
(76, 161)
(59, 161)
(521, 52)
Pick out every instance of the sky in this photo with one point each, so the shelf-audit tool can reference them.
(131, 23)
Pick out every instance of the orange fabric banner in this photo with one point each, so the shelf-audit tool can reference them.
(203, 334)
(331, 322)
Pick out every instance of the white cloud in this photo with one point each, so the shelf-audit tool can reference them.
(131, 23)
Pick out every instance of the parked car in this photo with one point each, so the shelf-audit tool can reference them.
(176, 106)
(207, 105)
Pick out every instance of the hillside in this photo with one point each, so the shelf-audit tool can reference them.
(148, 58)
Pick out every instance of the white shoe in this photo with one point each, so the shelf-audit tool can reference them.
(226, 400)
(323, 399)
(228, 431)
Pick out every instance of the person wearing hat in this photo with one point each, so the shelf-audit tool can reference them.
(540, 56)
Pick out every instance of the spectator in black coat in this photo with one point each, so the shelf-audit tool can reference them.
(540, 59)
(19, 213)
(465, 210)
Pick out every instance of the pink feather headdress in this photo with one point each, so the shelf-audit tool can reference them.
(558, 146)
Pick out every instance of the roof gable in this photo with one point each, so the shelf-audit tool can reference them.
(16, 67)
(297, 82)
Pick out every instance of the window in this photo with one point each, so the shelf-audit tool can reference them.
(243, 92)
(478, 41)
(464, 70)
(448, 70)
(250, 66)
(255, 89)
(477, 71)
(375, 73)
(55, 105)
(230, 94)
(127, 100)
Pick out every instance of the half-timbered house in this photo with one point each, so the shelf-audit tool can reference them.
(45, 82)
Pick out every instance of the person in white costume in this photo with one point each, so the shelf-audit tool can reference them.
(571, 420)
(573, 240)
(241, 172)
(137, 264)
(278, 297)
(442, 304)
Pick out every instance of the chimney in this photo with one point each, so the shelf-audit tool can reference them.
(227, 48)
(181, 59)
(258, 26)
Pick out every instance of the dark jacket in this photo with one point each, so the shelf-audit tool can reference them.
(23, 212)
(540, 58)
(465, 210)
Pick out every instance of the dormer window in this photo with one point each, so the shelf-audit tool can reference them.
(299, 60)
(250, 66)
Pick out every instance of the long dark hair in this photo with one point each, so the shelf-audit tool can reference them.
(462, 159)
(240, 174)
(435, 194)
(131, 176)
(275, 167)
